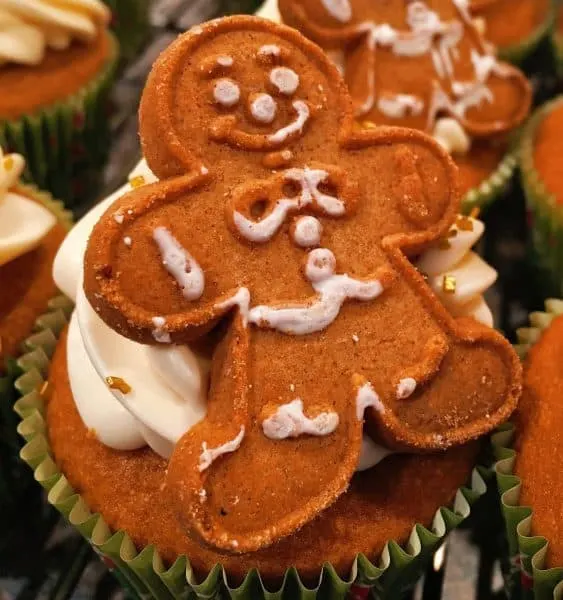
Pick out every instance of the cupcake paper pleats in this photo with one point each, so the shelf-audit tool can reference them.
(142, 570)
(528, 578)
(66, 144)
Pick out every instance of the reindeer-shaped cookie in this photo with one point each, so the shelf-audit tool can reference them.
(409, 62)
(276, 219)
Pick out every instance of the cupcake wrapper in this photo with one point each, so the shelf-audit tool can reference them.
(495, 186)
(142, 571)
(12, 480)
(66, 144)
(522, 54)
(130, 23)
(527, 578)
(545, 215)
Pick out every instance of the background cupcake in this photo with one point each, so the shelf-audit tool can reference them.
(543, 185)
(455, 90)
(529, 475)
(32, 226)
(56, 67)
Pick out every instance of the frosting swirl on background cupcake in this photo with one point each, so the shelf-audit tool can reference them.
(23, 222)
(28, 28)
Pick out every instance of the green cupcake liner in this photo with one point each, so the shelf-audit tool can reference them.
(67, 143)
(494, 187)
(522, 54)
(143, 572)
(546, 217)
(528, 578)
(130, 23)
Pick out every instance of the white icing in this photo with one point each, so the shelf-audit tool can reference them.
(286, 80)
(289, 421)
(264, 108)
(180, 264)
(450, 134)
(23, 222)
(332, 291)
(225, 61)
(240, 299)
(269, 50)
(309, 180)
(371, 455)
(210, 455)
(341, 10)
(226, 92)
(118, 218)
(159, 332)
(400, 105)
(308, 231)
(367, 397)
(473, 276)
(127, 241)
(303, 114)
(406, 388)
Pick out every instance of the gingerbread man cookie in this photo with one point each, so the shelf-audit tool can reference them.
(410, 62)
(276, 220)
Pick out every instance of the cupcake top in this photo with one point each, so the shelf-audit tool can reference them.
(547, 148)
(28, 28)
(417, 65)
(539, 441)
(23, 222)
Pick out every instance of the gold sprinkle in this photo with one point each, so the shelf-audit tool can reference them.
(8, 163)
(475, 212)
(464, 224)
(369, 125)
(444, 244)
(452, 233)
(116, 383)
(45, 390)
(137, 182)
(449, 284)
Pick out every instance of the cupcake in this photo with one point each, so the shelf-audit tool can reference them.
(130, 23)
(544, 191)
(528, 472)
(56, 67)
(300, 498)
(32, 226)
(450, 83)
(517, 28)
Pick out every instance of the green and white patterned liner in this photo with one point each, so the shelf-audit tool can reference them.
(66, 144)
(495, 186)
(142, 570)
(545, 213)
(529, 579)
(520, 54)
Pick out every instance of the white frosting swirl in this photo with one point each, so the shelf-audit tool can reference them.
(470, 276)
(23, 222)
(29, 27)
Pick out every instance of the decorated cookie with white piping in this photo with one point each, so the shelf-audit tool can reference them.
(414, 62)
(288, 230)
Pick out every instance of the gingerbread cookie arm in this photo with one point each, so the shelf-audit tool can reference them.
(250, 473)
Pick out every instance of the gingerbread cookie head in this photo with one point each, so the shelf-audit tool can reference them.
(295, 243)
(411, 63)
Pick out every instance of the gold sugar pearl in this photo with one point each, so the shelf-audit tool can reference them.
(8, 163)
(369, 125)
(449, 284)
(464, 224)
(116, 383)
(137, 182)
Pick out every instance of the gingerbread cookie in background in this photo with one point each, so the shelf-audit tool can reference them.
(424, 65)
(276, 219)
(29, 238)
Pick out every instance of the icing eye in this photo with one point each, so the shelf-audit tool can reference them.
(225, 61)
(321, 265)
(263, 108)
(307, 232)
(286, 80)
(226, 92)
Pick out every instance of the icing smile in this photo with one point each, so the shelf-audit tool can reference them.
(225, 129)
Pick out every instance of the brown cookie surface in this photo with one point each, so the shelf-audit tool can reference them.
(273, 212)
(409, 63)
